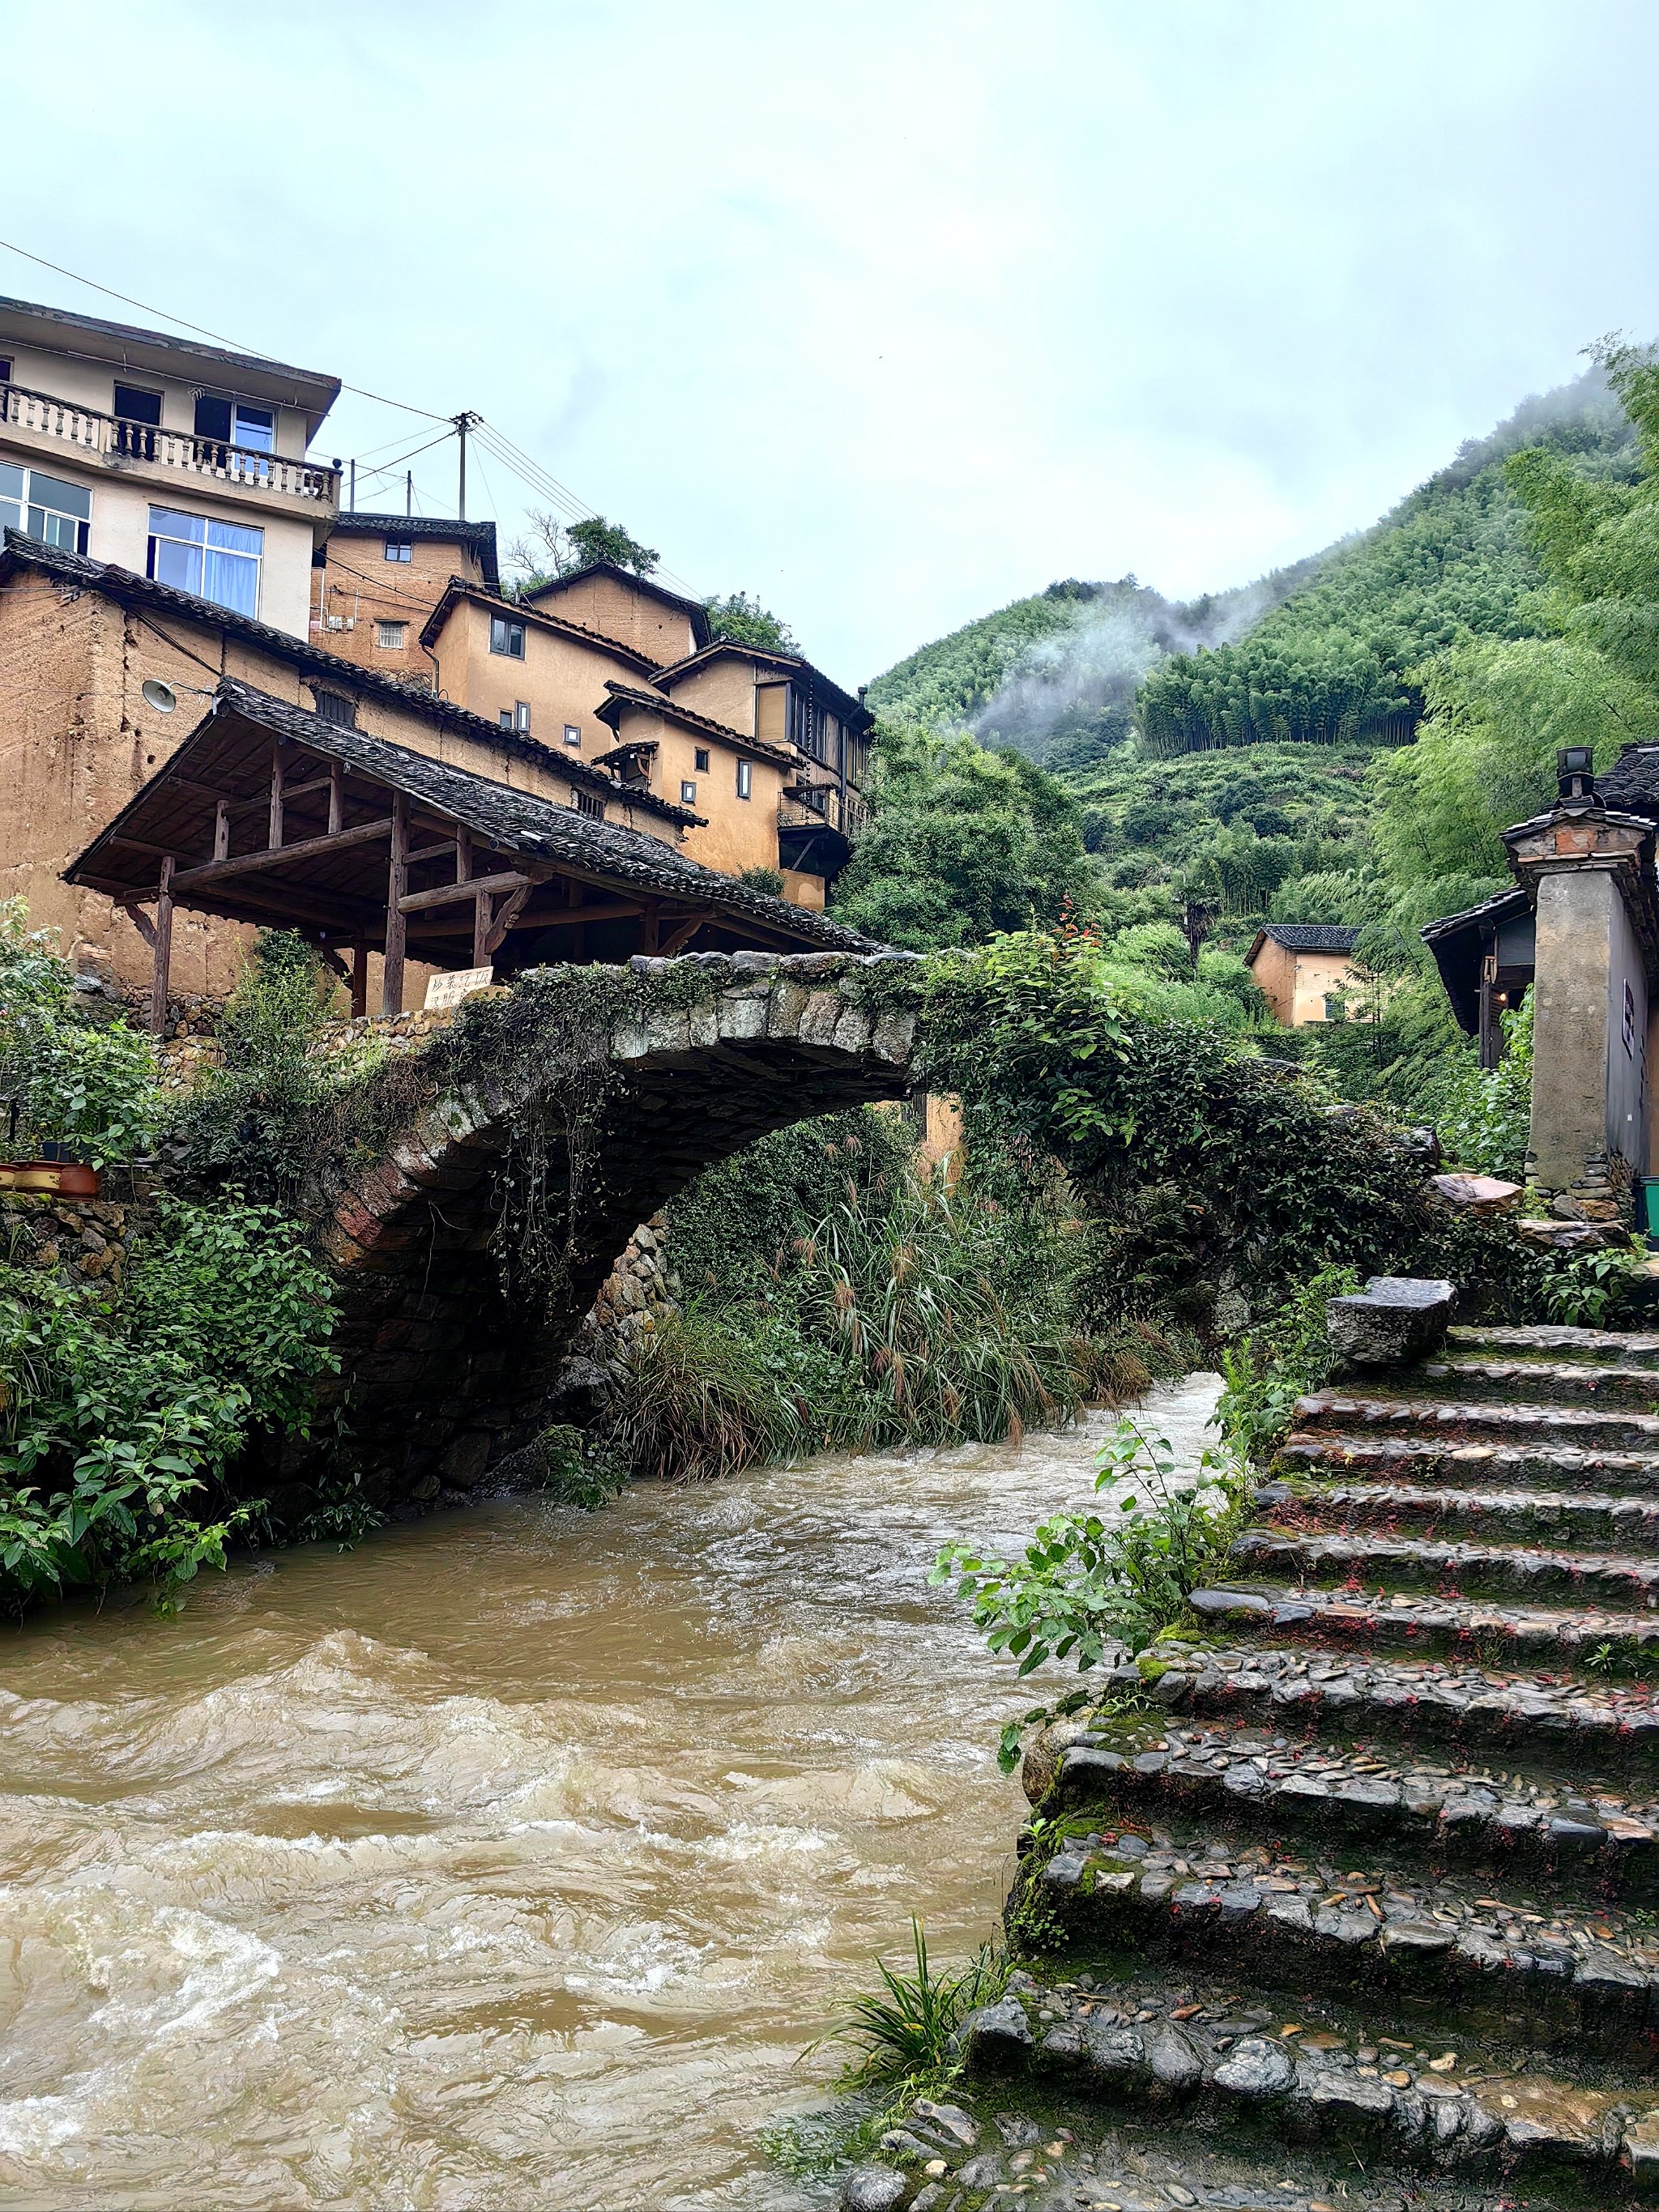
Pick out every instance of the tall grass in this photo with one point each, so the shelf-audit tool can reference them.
(697, 1401)
(902, 2033)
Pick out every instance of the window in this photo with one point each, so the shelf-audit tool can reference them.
(335, 707)
(5, 372)
(572, 735)
(137, 418)
(745, 779)
(505, 718)
(216, 561)
(507, 637)
(521, 714)
(701, 759)
(688, 792)
(398, 548)
(391, 635)
(584, 802)
(223, 421)
(46, 507)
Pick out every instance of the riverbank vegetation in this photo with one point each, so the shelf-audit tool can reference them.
(1343, 742)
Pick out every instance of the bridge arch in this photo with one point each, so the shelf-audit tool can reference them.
(467, 1247)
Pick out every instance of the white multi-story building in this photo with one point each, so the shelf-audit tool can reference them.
(180, 461)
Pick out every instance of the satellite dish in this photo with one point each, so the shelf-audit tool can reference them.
(160, 696)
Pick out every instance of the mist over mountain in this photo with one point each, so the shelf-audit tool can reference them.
(1318, 653)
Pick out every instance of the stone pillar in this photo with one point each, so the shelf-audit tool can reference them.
(1592, 876)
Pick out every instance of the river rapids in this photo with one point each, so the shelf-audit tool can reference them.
(511, 1859)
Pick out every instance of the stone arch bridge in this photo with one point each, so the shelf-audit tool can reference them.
(450, 1345)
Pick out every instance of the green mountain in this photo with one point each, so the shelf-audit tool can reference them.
(1318, 653)
(1220, 746)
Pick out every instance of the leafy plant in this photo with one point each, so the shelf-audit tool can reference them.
(902, 2033)
(247, 1120)
(123, 1411)
(1089, 1586)
(87, 1084)
(1277, 1363)
(767, 881)
(1582, 1290)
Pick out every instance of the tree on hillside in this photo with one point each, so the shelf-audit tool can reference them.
(746, 621)
(964, 842)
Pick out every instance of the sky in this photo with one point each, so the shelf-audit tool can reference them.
(887, 314)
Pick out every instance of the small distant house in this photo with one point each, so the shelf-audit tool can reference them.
(1302, 968)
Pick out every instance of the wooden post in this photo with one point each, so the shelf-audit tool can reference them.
(359, 979)
(336, 797)
(222, 830)
(1490, 1036)
(463, 855)
(391, 978)
(482, 907)
(158, 989)
(275, 836)
(650, 922)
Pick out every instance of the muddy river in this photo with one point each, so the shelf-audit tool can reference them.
(510, 1860)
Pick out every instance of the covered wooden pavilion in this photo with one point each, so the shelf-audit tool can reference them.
(268, 813)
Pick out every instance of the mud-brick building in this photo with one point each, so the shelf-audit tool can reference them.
(165, 536)
(1580, 928)
(1304, 969)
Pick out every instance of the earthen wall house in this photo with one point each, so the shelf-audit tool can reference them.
(1301, 967)
(378, 578)
(732, 783)
(78, 739)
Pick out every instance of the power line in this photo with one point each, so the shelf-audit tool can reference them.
(200, 329)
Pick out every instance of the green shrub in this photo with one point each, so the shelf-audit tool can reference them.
(122, 1411)
(74, 1081)
(1090, 1585)
(1278, 1362)
(251, 1120)
(768, 881)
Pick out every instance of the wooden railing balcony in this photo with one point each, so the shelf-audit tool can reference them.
(825, 806)
(109, 438)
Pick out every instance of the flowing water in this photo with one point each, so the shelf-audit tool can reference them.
(510, 1860)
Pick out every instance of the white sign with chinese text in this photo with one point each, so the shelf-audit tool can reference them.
(450, 989)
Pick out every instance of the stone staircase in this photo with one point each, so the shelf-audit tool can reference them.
(1357, 1904)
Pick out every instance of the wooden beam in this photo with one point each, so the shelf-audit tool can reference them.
(504, 920)
(397, 882)
(275, 837)
(449, 894)
(688, 928)
(158, 989)
(331, 958)
(336, 797)
(141, 922)
(307, 848)
(650, 921)
(444, 852)
(222, 830)
(600, 910)
(463, 855)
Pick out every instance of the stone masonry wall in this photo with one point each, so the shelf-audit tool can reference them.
(82, 1239)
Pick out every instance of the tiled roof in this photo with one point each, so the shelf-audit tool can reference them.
(512, 821)
(480, 536)
(694, 609)
(1498, 908)
(458, 588)
(652, 703)
(851, 711)
(141, 592)
(167, 343)
(1631, 786)
(1311, 936)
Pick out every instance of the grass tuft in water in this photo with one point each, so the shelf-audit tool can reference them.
(900, 2034)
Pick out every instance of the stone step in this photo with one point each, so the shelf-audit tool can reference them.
(1609, 1580)
(1492, 1634)
(1530, 1382)
(1595, 1730)
(1190, 2057)
(1551, 1345)
(1446, 1950)
(1336, 1799)
(1423, 1458)
(1559, 1519)
(1475, 1421)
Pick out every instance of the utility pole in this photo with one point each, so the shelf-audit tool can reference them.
(463, 423)
(409, 491)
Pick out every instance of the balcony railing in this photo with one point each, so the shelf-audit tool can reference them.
(108, 437)
(827, 807)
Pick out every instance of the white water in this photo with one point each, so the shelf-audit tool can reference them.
(510, 1860)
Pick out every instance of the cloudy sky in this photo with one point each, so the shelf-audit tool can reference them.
(888, 314)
